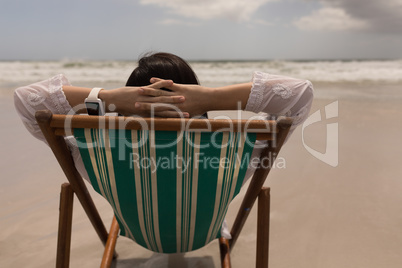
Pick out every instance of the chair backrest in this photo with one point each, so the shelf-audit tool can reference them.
(169, 181)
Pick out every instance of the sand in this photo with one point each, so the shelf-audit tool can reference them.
(322, 216)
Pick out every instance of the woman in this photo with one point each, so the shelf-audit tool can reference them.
(272, 95)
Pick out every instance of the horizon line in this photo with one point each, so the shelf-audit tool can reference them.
(209, 60)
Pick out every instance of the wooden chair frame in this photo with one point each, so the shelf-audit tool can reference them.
(55, 127)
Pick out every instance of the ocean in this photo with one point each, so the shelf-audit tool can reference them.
(218, 72)
(339, 78)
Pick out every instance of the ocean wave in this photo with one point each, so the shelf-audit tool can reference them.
(209, 72)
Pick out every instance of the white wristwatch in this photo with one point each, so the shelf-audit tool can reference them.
(93, 103)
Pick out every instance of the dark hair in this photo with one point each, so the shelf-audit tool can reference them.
(162, 65)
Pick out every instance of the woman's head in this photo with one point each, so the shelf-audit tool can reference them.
(161, 65)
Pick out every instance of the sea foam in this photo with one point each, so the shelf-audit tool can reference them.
(209, 72)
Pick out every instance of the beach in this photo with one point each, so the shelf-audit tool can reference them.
(322, 216)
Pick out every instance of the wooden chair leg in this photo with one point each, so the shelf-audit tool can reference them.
(109, 254)
(63, 155)
(65, 222)
(224, 249)
(263, 228)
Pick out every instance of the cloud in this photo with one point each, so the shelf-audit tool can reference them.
(169, 22)
(263, 22)
(236, 10)
(329, 18)
(355, 15)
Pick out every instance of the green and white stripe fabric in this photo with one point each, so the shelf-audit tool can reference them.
(169, 190)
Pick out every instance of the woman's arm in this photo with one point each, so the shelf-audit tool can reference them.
(122, 100)
(272, 94)
(232, 97)
(60, 97)
(199, 99)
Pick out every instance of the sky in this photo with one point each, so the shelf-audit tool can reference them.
(201, 29)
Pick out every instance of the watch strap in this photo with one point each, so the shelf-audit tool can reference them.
(93, 95)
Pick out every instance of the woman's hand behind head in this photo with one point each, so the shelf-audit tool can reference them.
(197, 100)
(152, 101)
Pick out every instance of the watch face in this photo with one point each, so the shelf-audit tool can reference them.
(92, 108)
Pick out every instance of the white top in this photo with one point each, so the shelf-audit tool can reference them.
(271, 95)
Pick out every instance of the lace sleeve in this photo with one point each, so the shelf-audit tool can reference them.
(47, 94)
(280, 95)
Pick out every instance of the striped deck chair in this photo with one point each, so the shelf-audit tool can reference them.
(169, 181)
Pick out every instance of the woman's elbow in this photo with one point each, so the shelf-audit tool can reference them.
(309, 88)
(301, 109)
(18, 101)
(307, 94)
